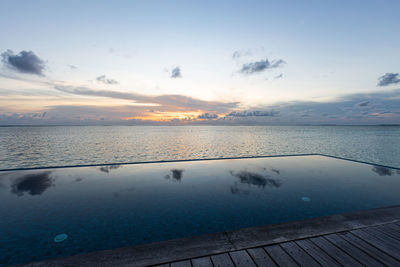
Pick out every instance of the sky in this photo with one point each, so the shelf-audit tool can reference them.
(199, 62)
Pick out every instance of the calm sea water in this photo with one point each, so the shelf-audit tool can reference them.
(61, 146)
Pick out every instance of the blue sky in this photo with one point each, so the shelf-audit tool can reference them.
(172, 62)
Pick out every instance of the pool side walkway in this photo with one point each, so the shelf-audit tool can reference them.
(364, 238)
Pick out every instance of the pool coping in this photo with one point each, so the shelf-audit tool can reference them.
(189, 160)
(228, 241)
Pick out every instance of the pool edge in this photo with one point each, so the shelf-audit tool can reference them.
(194, 160)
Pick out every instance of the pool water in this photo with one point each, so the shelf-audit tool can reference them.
(50, 213)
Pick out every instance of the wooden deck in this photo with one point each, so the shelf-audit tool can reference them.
(364, 238)
(369, 246)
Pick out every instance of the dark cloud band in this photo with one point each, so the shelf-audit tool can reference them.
(254, 113)
(207, 116)
(179, 102)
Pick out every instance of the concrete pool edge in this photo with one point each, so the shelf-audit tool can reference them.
(194, 160)
(198, 246)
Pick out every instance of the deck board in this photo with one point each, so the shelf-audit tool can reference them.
(260, 257)
(242, 259)
(385, 229)
(317, 253)
(181, 264)
(370, 249)
(355, 252)
(280, 256)
(202, 262)
(298, 254)
(335, 252)
(222, 260)
(380, 234)
(381, 244)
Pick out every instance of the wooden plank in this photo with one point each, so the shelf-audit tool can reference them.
(394, 228)
(185, 263)
(355, 252)
(280, 256)
(380, 232)
(383, 245)
(317, 253)
(386, 229)
(242, 259)
(298, 254)
(371, 250)
(261, 257)
(202, 262)
(222, 260)
(381, 235)
(336, 253)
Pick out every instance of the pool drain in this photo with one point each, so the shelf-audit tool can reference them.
(306, 199)
(60, 238)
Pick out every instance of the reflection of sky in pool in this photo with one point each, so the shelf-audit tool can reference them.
(114, 206)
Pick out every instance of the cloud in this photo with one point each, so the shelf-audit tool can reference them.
(389, 79)
(363, 104)
(352, 109)
(260, 66)
(176, 72)
(241, 53)
(381, 107)
(377, 108)
(278, 76)
(24, 62)
(179, 102)
(207, 116)
(254, 113)
(103, 79)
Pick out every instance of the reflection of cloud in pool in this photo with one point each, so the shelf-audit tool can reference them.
(107, 169)
(176, 174)
(382, 171)
(253, 178)
(237, 191)
(276, 171)
(33, 184)
(118, 194)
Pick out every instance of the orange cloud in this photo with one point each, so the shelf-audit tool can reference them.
(166, 116)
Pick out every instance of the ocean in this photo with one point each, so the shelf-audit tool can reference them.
(26, 147)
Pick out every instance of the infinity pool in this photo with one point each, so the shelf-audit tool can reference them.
(50, 213)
